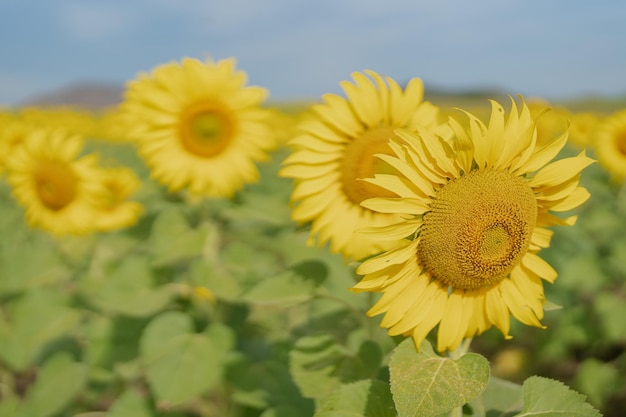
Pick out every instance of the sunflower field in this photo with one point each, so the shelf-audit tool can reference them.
(202, 251)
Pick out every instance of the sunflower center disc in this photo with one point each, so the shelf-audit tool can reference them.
(621, 142)
(479, 227)
(205, 131)
(55, 185)
(359, 162)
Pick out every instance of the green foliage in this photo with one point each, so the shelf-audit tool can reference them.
(548, 398)
(33, 320)
(366, 398)
(425, 384)
(181, 364)
(130, 404)
(58, 382)
(219, 308)
(500, 399)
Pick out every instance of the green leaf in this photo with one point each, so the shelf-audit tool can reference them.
(425, 384)
(612, 309)
(501, 398)
(266, 383)
(113, 340)
(129, 290)
(35, 319)
(281, 411)
(59, 381)
(597, 379)
(294, 285)
(19, 272)
(544, 397)
(218, 279)
(319, 365)
(180, 364)
(9, 407)
(172, 239)
(367, 398)
(130, 404)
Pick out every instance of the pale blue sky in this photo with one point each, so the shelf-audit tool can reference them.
(302, 49)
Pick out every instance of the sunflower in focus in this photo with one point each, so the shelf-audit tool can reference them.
(198, 126)
(335, 151)
(475, 211)
(52, 183)
(610, 143)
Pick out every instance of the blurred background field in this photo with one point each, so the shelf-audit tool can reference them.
(218, 307)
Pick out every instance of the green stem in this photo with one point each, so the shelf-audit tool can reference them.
(456, 354)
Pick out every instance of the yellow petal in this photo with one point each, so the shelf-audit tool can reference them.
(338, 113)
(575, 199)
(392, 257)
(497, 311)
(518, 304)
(494, 137)
(454, 322)
(412, 206)
(405, 169)
(364, 99)
(433, 316)
(383, 95)
(560, 171)
(539, 267)
(396, 184)
(542, 156)
(396, 231)
(541, 237)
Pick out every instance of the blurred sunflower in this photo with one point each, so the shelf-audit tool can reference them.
(110, 197)
(52, 183)
(336, 149)
(549, 121)
(610, 143)
(582, 126)
(12, 132)
(75, 120)
(474, 217)
(198, 127)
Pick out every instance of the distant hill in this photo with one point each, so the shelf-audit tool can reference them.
(96, 96)
(90, 95)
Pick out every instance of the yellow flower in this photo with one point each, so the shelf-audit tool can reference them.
(12, 133)
(549, 121)
(110, 196)
(51, 183)
(72, 119)
(582, 126)
(610, 142)
(474, 213)
(197, 126)
(336, 149)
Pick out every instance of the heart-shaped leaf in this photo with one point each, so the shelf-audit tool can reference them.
(425, 384)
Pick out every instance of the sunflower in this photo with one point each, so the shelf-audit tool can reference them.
(12, 132)
(52, 183)
(336, 149)
(110, 197)
(475, 212)
(610, 143)
(549, 120)
(582, 126)
(197, 126)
